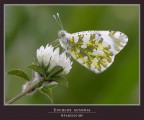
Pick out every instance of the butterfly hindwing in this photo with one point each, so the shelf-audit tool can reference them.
(96, 49)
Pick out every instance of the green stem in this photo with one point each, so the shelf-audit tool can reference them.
(34, 86)
(17, 97)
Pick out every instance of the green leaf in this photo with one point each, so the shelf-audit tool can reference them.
(48, 93)
(64, 83)
(55, 71)
(61, 81)
(36, 61)
(18, 73)
(37, 69)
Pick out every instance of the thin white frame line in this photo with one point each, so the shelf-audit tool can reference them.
(72, 4)
(139, 5)
(139, 55)
(4, 55)
(72, 112)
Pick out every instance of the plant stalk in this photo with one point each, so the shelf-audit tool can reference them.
(34, 86)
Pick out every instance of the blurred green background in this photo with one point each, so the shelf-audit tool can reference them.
(29, 27)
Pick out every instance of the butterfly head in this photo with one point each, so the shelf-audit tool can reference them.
(63, 38)
(61, 33)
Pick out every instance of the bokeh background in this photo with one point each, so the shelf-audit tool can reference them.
(28, 27)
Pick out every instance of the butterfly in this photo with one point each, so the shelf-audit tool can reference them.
(94, 50)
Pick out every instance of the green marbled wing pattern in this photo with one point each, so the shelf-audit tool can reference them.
(96, 50)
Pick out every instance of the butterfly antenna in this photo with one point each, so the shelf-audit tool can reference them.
(56, 45)
(58, 21)
(54, 41)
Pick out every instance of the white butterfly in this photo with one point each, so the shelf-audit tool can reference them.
(95, 50)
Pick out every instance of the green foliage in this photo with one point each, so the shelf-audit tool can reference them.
(51, 84)
(46, 84)
(47, 93)
(18, 73)
(37, 69)
(61, 80)
(55, 71)
(36, 61)
(64, 82)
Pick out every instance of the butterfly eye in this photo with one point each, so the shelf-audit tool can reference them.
(62, 34)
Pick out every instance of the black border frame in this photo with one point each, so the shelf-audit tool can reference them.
(42, 112)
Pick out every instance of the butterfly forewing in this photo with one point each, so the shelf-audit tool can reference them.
(96, 49)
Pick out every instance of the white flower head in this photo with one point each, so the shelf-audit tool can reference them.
(44, 55)
(50, 57)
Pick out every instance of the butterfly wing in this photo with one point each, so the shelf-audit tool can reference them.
(96, 50)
